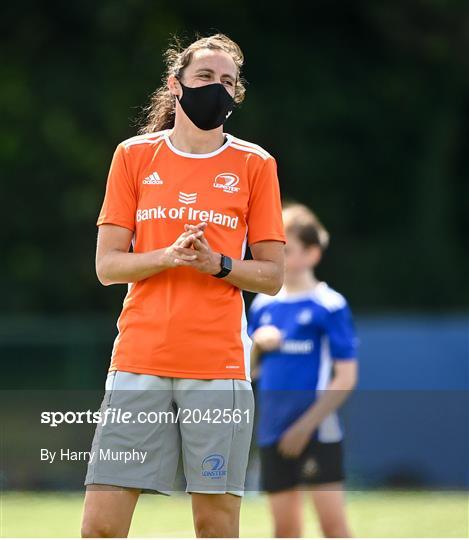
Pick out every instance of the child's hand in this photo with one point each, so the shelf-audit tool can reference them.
(295, 439)
(268, 337)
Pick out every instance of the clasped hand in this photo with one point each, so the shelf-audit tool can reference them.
(191, 248)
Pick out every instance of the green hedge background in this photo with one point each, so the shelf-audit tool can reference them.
(365, 105)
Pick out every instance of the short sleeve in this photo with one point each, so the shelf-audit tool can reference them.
(264, 216)
(340, 329)
(120, 199)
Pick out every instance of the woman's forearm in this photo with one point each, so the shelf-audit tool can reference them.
(124, 267)
(118, 266)
(256, 276)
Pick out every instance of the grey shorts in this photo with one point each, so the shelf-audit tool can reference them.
(146, 421)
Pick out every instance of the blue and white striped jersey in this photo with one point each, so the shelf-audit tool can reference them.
(317, 328)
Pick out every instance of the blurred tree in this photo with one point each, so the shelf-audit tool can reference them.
(363, 103)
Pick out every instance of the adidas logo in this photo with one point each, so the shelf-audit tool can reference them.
(187, 198)
(153, 179)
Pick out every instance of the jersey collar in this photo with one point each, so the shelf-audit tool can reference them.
(196, 156)
(293, 297)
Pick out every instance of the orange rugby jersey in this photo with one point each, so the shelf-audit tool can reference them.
(181, 322)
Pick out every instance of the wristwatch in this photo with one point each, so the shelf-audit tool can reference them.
(226, 265)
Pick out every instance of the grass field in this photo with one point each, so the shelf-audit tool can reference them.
(372, 514)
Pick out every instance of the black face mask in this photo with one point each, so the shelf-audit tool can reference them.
(207, 106)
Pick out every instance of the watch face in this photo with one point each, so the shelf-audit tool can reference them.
(226, 264)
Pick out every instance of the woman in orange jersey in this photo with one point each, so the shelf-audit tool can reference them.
(188, 198)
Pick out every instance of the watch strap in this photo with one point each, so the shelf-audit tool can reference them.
(225, 266)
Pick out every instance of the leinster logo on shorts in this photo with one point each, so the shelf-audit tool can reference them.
(310, 468)
(213, 466)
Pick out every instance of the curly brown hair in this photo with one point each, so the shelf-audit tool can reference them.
(160, 112)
